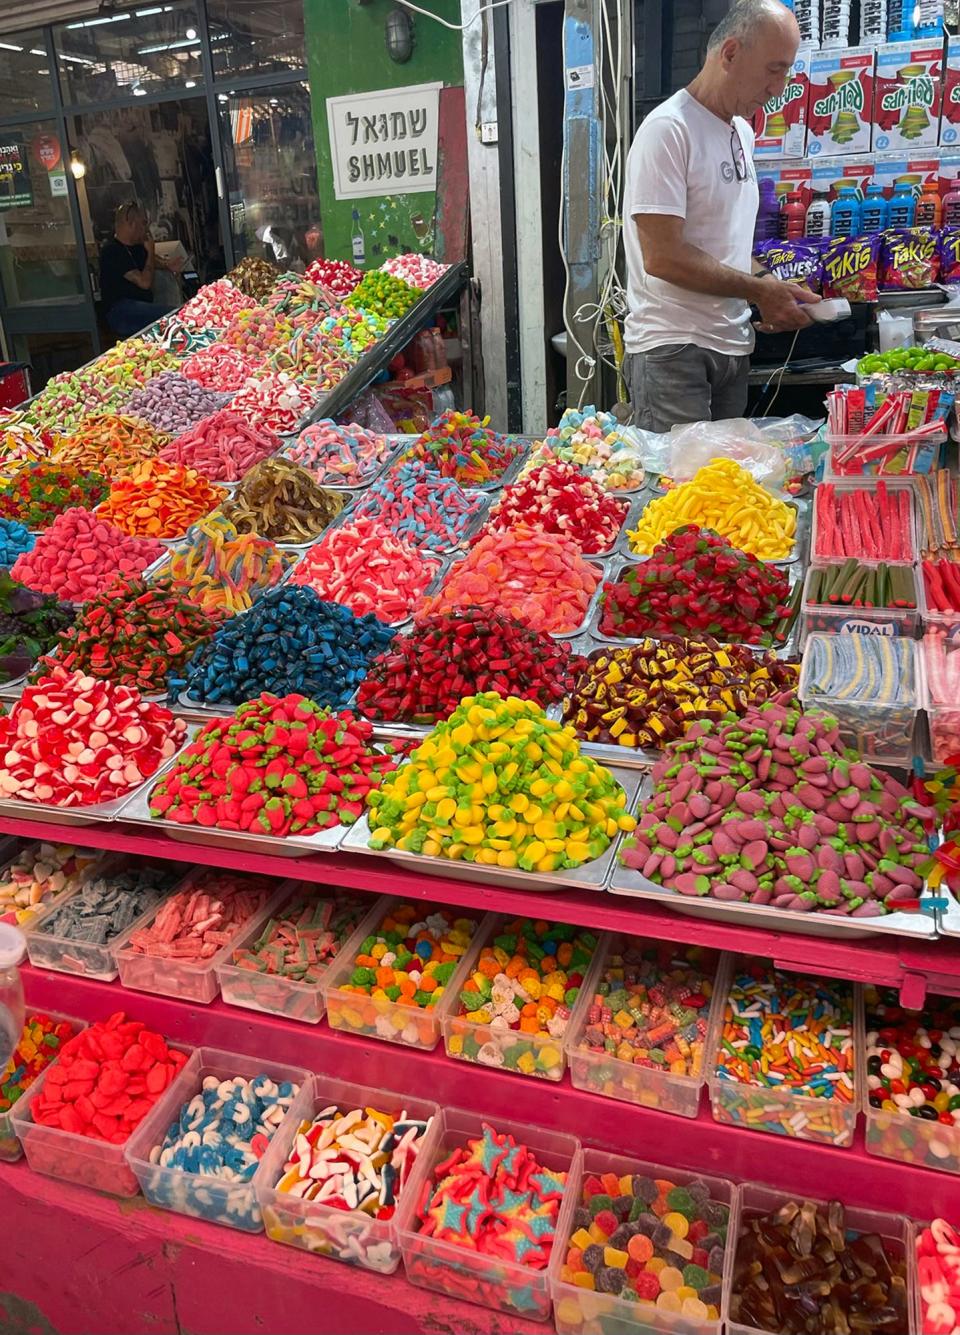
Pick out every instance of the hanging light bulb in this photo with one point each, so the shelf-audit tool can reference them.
(398, 35)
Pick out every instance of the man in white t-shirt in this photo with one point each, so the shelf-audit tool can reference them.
(690, 206)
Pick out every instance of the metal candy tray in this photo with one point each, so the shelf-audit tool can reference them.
(92, 815)
(399, 442)
(582, 628)
(949, 917)
(441, 562)
(591, 876)
(799, 541)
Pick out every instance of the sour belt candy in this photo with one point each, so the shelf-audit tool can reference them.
(223, 447)
(35, 494)
(295, 947)
(38, 873)
(538, 578)
(30, 623)
(938, 1277)
(109, 445)
(560, 498)
(421, 508)
(365, 567)
(172, 403)
(506, 787)
(843, 672)
(280, 500)
(215, 305)
(79, 555)
(220, 367)
(871, 522)
(461, 445)
(300, 298)
(419, 270)
(204, 916)
(159, 500)
(723, 497)
(340, 455)
(70, 741)
(221, 568)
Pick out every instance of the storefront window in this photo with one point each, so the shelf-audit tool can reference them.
(256, 37)
(26, 83)
(272, 174)
(131, 52)
(38, 250)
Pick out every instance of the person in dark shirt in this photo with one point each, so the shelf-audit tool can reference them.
(127, 265)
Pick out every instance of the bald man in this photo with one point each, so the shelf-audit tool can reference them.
(690, 205)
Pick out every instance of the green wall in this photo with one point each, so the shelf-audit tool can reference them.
(346, 53)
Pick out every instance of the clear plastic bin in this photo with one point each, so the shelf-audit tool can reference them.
(943, 712)
(473, 1276)
(786, 1112)
(346, 1235)
(26, 917)
(578, 1311)
(234, 1204)
(379, 1017)
(270, 992)
(610, 1076)
(929, 452)
(75, 1158)
(946, 624)
(539, 1055)
(10, 1147)
(191, 980)
(833, 618)
(894, 486)
(893, 1229)
(882, 733)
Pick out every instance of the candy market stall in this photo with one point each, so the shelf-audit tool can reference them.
(463, 881)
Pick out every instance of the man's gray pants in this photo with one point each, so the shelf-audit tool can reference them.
(680, 382)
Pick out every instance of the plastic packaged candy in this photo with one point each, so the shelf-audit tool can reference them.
(909, 259)
(850, 266)
(793, 261)
(949, 243)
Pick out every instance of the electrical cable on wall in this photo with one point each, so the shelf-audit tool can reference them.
(454, 27)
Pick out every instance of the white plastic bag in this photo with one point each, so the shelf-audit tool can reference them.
(694, 444)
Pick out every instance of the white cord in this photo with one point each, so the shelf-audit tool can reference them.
(454, 27)
(780, 371)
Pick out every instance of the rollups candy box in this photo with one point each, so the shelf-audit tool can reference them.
(906, 95)
(781, 125)
(950, 108)
(841, 103)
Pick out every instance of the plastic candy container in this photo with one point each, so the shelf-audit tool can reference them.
(461, 445)
(870, 685)
(203, 1162)
(365, 567)
(273, 399)
(289, 642)
(596, 442)
(538, 578)
(339, 277)
(80, 555)
(516, 1000)
(723, 497)
(644, 1035)
(382, 294)
(423, 676)
(421, 508)
(398, 974)
(648, 1247)
(938, 1277)
(36, 875)
(39, 1043)
(341, 456)
(35, 494)
(858, 839)
(70, 741)
(278, 967)
(560, 498)
(253, 276)
(785, 1059)
(281, 501)
(222, 447)
(913, 1080)
(872, 522)
(506, 787)
(648, 694)
(104, 1082)
(222, 569)
(159, 500)
(347, 1170)
(215, 305)
(109, 445)
(220, 367)
(30, 623)
(490, 1211)
(418, 270)
(280, 766)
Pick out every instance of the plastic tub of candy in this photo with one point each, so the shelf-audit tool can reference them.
(926, 458)
(375, 1016)
(10, 1148)
(89, 1162)
(204, 1194)
(189, 979)
(602, 1072)
(785, 1111)
(691, 1309)
(458, 1272)
(834, 618)
(940, 655)
(353, 1236)
(503, 1044)
(896, 487)
(892, 1230)
(43, 889)
(276, 993)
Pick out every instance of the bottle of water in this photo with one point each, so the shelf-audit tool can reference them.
(12, 948)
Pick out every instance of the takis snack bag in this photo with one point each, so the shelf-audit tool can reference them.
(949, 245)
(793, 261)
(850, 268)
(909, 259)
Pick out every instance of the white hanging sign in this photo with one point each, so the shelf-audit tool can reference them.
(385, 142)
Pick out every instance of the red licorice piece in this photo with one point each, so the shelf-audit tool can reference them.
(863, 522)
(561, 498)
(423, 676)
(696, 584)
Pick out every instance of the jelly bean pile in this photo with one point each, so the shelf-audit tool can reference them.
(913, 1061)
(560, 498)
(281, 501)
(505, 787)
(159, 500)
(279, 766)
(35, 494)
(223, 569)
(109, 445)
(364, 566)
(346, 456)
(222, 447)
(38, 873)
(423, 676)
(417, 506)
(462, 446)
(39, 1043)
(172, 403)
(80, 555)
(30, 624)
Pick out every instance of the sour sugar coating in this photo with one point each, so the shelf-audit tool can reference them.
(654, 1242)
(220, 367)
(347, 456)
(215, 1145)
(207, 914)
(280, 766)
(505, 786)
(357, 1161)
(172, 403)
(418, 270)
(15, 539)
(221, 569)
(913, 1079)
(215, 305)
(71, 741)
(222, 447)
(722, 497)
(423, 676)
(258, 332)
(36, 875)
(290, 641)
(561, 498)
(105, 905)
(785, 1059)
(80, 555)
(35, 494)
(30, 624)
(364, 566)
(597, 443)
(416, 505)
(303, 936)
(850, 675)
(300, 298)
(648, 694)
(274, 399)
(159, 500)
(515, 1004)
(769, 809)
(345, 333)
(540, 579)
(110, 444)
(695, 584)
(281, 501)
(873, 1295)
(463, 446)
(22, 443)
(938, 1277)
(134, 634)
